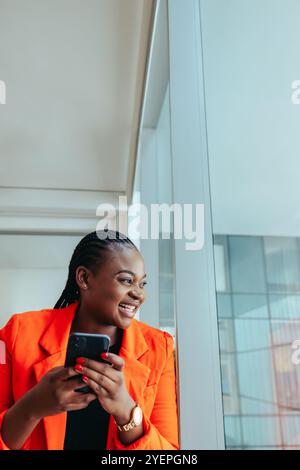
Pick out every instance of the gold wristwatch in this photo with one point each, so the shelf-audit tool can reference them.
(136, 417)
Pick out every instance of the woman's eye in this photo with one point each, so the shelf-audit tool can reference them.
(130, 281)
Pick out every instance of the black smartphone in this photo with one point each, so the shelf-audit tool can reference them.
(89, 345)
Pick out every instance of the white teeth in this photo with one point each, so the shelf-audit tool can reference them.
(128, 307)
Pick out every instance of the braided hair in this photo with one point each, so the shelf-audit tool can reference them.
(90, 252)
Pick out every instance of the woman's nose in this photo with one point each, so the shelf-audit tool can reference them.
(137, 293)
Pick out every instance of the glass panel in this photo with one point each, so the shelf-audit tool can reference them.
(282, 263)
(260, 431)
(249, 56)
(291, 432)
(246, 264)
(224, 305)
(221, 263)
(250, 306)
(285, 306)
(153, 180)
(164, 196)
(233, 431)
(166, 285)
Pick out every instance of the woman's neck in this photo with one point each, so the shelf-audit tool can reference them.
(86, 324)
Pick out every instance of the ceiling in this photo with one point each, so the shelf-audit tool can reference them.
(74, 73)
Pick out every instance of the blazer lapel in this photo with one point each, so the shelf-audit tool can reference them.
(54, 341)
(132, 349)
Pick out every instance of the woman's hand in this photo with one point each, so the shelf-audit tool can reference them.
(52, 395)
(55, 394)
(108, 383)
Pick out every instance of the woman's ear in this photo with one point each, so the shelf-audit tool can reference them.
(82, 277)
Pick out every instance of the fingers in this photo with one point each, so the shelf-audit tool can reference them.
(73, 384)
(117, 362)
(94, 369)
(100, 381)
(81, 401)
(101, 389)
(63, 373)
(102, 378)
(81, 398)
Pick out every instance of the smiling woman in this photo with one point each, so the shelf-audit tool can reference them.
(131, 402)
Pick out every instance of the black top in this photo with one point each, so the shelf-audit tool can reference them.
(87, 428)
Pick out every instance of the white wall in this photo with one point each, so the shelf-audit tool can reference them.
(29, 289)
(33, 271)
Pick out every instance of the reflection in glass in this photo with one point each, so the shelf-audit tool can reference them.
(249, 56)
(166, 285)
(261, 385)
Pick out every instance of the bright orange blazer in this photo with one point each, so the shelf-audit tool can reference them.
(37, 341)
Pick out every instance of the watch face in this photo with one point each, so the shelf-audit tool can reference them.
(137, 416)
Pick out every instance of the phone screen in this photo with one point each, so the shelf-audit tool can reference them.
(89, 345)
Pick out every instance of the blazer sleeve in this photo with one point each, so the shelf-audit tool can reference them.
(161, 428)
(8, 336)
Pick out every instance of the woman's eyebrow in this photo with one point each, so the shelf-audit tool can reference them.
(129, 272)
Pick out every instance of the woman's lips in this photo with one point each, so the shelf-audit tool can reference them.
(127, 310)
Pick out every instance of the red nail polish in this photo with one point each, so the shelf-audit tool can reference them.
(104, 355)
(80, 360)
(85, 378)
(78, 368)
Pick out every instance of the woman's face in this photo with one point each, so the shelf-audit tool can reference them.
(113, 295)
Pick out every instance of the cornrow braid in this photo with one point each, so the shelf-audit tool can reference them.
(89, 252)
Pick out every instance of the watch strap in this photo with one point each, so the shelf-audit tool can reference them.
(130, 425)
